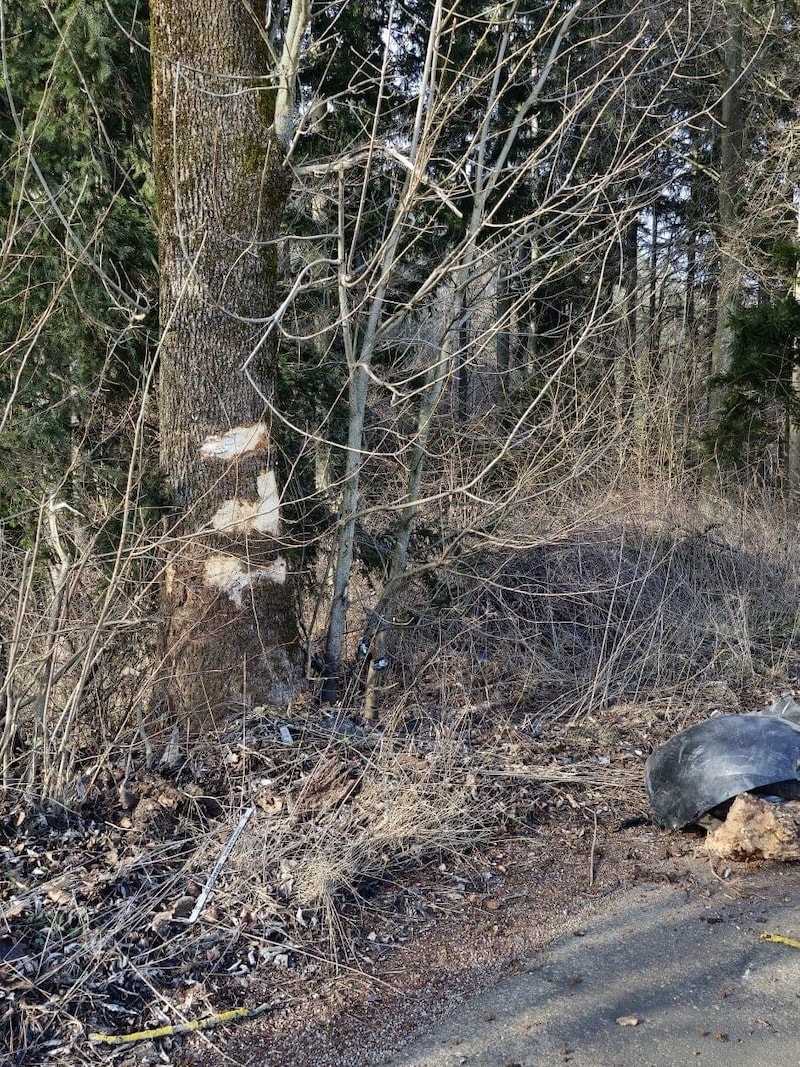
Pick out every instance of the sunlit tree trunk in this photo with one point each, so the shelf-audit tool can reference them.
(221, 186)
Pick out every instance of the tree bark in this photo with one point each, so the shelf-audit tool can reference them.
(625, 298)
(503, 340)
(730, 162)
(793, 444)
(230, 628)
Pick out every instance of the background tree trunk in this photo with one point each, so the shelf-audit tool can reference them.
(230, 629)
(505, 318)
(730, 166)
(793, 448)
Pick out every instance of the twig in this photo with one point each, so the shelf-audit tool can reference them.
(223, 857)
(179, 1028)
(591, 853)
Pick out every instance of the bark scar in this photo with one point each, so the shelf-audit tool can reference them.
(236, 442)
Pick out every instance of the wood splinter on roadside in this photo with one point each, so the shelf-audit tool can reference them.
(779, 939)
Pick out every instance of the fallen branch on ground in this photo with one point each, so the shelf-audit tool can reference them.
(179, 1028)
(779, 939)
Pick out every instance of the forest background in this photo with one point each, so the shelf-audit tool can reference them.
(378, 379)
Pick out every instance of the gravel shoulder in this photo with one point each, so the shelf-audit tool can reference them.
(575, 930)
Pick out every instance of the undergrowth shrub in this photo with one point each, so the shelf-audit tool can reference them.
(616, 611)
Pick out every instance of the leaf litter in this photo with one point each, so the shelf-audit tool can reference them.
(357, 842)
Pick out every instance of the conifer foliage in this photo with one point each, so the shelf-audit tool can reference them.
(77, 276)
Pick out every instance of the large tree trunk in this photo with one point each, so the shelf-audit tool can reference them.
(221, 186)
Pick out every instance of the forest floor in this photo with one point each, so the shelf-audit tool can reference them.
(538, 887)
(380, 878)
(476, 921)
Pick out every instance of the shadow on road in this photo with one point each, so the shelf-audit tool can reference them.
(687, 965)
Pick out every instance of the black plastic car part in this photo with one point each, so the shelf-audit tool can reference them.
(712, 762)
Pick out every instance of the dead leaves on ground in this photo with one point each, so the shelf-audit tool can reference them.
(95, 906)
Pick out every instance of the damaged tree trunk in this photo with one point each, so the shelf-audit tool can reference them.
(221, 120)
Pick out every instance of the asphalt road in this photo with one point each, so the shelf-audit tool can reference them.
(688, 966)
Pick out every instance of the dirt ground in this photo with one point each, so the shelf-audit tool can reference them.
(525, 891)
